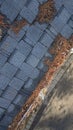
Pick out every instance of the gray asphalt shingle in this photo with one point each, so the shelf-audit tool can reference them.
(3, 59)
(1, 112)
(24, 48)
(3, 81)
(64, 15)
(42, 1)
(9, 44)
(4, 103)
(67, 31)
(34, 74)
(17, 58)
(16, 83)
(33, 6)
(19, 100)
(39, 50)
(34, 33)
(9, 11)
(32, 60)
(22, 75)
(57, 24)
(8, 70)
(27, 69)
(68, 5)
(9, 94)
(27, 14)
(1, 1)
(46, 40)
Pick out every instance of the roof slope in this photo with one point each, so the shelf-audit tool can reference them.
(22, 51)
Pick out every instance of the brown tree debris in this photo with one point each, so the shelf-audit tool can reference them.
(18, 25)
(46, 11)
(61, 48)
(3, 22)
(4, 25)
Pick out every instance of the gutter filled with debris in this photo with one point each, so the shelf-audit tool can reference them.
(60, 48)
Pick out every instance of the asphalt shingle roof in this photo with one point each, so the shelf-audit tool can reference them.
(22, 54)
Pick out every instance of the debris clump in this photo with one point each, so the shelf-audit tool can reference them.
(4, 25)
(46, 11)
(3, 21)
(18, 25)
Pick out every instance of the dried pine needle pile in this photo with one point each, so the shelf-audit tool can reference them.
(46, 11)
(18, 25)
(3, 22)
(4, 25)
